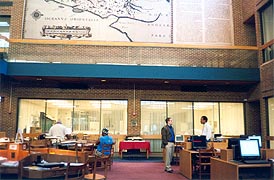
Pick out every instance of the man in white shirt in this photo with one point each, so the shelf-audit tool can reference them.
(58, 130)
(207, 131)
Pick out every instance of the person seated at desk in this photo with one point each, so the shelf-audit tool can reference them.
(104, 139)
(58, 130)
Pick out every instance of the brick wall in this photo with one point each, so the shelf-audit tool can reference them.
(9, 108)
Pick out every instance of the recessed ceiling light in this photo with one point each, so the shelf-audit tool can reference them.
(103, 80)
(166, 82)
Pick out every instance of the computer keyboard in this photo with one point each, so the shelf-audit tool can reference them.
(259, 161)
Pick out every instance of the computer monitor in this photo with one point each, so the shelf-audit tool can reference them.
(233, 142)
(198, 142)
(217, 135)
(256, 137)
(244, 136)
(179, 138)
(250, 149)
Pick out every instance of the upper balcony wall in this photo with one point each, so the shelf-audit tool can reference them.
(144, 55)
(187, 57)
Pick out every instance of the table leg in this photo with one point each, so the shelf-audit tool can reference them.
(121, 154)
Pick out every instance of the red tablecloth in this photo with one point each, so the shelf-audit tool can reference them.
(124, 145)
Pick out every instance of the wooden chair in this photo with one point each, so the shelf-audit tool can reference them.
(203, 162)
(267, 141)
(101, 162)
(75, 172)
(43, 143)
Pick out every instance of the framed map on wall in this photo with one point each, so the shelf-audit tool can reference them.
(148, 21)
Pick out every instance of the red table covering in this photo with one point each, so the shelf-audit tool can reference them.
(125, 145)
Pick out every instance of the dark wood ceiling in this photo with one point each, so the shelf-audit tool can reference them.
(90, 83)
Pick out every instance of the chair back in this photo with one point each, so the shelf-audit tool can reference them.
(75, 171)
(107, 149)
(105, 162)
(268, 140)
(204, 161)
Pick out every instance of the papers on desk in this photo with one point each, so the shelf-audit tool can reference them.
(36, 168)
(69, 142)
(10, 163)
(133, 138)
(74, 164)
(3, 159)
(4, 139)
(52, 137)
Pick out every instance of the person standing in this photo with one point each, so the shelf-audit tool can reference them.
(58, 130)
(168, 140)
(206, 131)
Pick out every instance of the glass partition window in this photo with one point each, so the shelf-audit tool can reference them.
(208, 109)
(29, 115)
(181, 113)
(114, 116)
(232, 118)
(57, 110)
(270, 104)
(225, 118)
(85, 116)
(153, 114)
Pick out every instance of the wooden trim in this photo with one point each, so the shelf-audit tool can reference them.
(151, 136)
(266, 45)
(130, 44)
(260, 4)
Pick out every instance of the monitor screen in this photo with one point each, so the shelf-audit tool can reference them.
(249, 149)
(179, 138)
(198, 142)
(256, 137)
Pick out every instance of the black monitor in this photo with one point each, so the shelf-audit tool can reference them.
(217, 135)
(256, 137)
(250, 149)
(198, 142)
(233, 142)
(243, 136)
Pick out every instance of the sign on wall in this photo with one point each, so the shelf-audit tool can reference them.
(160, 21)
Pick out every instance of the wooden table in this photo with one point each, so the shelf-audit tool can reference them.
(186, 164)
(29, 171)
(126, 145)
(232, 170)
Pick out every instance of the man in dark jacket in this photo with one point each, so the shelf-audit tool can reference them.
(168, 140)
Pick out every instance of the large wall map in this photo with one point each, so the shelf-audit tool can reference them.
(160, 21)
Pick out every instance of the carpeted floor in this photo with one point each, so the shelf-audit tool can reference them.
(138, 170)
(138, 159)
